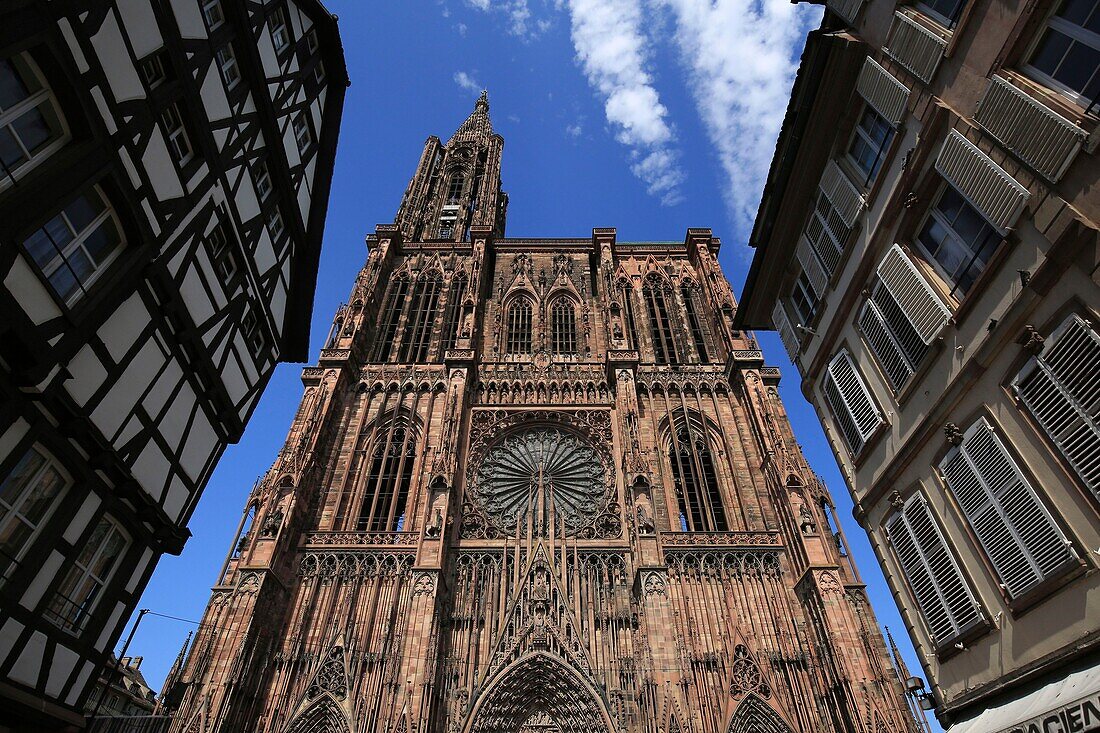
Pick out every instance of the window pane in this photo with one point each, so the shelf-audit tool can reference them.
(950, 203)
(33, 129)
(103, 241)
(106, 559)
(1078, 67)
(48, 242)
(12, 88)
(1077, 11)
(64, 278)
(84, 209)
(1050, 52)
(38, 502)
(11, 154)
(15, 482)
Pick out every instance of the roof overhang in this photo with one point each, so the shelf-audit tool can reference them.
(822, 89)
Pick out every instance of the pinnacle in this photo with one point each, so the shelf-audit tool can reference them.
(478, 123)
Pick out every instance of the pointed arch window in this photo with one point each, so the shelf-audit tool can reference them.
(453, 319)
(454, 187)
(698, 496)
(660, 325)
(419, 326)
(519, 327)
(628, 314)
(386, 492)
(695, 322)
(391, 316)
(563, 327)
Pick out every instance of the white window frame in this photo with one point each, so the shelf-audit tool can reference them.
(1060, 415)
(61, 258)
(219, 246)
(79, 572)
(175, 131)
(43, 97)
(275, 224)
(227, 65)
(319, 71)
(303, 135)
(262, 175)
(311, 41)
(1076, 33)
(858, 132)
(1004, 511)
(948, 280)
(14, 510)
(212, 14)
(153, 62)
(252, 332)
(280, 29)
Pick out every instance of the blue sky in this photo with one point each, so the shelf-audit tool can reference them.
(651, 116)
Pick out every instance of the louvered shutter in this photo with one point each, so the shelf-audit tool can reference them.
(1061, 388)
(882, 91)
(889, 353)
(1019, 536)
(918, 301)
(842, 193)
(855, 410)
(942, 595)
(998, 196)
(815, 272)
(786, 332)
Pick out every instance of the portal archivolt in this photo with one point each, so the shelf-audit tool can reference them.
(539, 692)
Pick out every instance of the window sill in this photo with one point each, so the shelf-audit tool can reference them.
(1053, 99)
(1047, 589)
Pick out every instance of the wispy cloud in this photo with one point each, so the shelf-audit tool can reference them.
(574, 130)
(741, 56)
(466, 82)
(517, 14)
(610, 46)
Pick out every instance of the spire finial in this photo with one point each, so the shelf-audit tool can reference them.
(483, 100)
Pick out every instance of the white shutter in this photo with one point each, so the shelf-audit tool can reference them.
(842, 193)
(1061, 388)
(855, 410)
(786, 332)
(942, 595)
(1021, 539)
(918, 301)
(914, 46)
(885, 345)
(998, 196)
(1043, 139)
(812, 266)
(882, 91)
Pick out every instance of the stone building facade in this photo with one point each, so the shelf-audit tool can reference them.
(164, 180)
(927, 249)
(536, 485)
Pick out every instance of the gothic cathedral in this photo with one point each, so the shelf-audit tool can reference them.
(538, 486)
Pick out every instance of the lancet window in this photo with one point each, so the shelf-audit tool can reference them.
(628, 314)
(660, 324)
(386, 489)
(563, 327)
(694, 322)
(391, 316)
(453, 319)
(454, 188)
(519, 327)
(698, 495)
(418, 328)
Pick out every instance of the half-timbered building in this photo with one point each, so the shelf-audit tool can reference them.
(164, 175)
(536, 485)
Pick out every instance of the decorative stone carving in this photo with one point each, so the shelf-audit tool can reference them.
(272, 522)
(745, 674)
(653, 583)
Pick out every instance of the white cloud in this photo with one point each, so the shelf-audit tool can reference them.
(462, 29)
(517, 13)
(610, 46)
(466, 82)
(741, 59)
(574, 130)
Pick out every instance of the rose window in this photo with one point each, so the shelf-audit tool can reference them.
(529, 475)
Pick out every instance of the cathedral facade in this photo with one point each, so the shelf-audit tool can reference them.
(536, 485)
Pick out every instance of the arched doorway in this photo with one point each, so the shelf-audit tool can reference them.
(754, 715)
(539, 693)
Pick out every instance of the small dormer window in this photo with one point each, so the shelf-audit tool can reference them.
(280, 31)
(153, 70)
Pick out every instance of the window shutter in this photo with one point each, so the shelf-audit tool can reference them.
(1061, 388)
(847, 9)
(890, 355)
(998, 196)
(913, 46)
(842, 193)
(943, 598)
(1041, 137)
(855, 410)
(918, 301)
(786, 332)
(812, 266)
(1018, 534)
(882, 91)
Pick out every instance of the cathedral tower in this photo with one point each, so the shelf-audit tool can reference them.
(536, 485)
